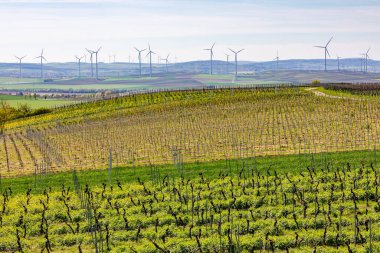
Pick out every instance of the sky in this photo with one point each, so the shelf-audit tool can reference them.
(183, 28)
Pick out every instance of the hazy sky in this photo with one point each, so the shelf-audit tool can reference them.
(184, 28)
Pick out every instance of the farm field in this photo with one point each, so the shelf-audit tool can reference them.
(210, 170)
(68, 87)
(322, 205)
(193, 126)
(182, 80)
(15, 80)
(15, 101)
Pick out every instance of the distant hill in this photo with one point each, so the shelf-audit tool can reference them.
(70, 69)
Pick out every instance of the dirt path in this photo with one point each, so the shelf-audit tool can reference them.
(321, 94)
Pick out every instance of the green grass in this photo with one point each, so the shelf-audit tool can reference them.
(130, 78)
(346, 94)
(15, 80)
(15, 101)
(73, 87)
(208, 76)
(280, 164)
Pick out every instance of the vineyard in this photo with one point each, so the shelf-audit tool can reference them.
(187, 126)
(224, 170)
(321, 209)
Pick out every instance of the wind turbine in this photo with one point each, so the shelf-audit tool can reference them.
(79, 61)
(366, 57)
(91, 60)
(150, 59)
(277, 59)
(227, 67)
(236, 61)
(326, 52)
(139, 51)
(96, 61)
(166, 62)
(338, 58)
(20, 61)
(211, 55)
(41, 57)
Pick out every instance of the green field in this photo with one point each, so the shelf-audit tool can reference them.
(76, 87)
(305, 203)
(130, 79)
(15, 101)
(224, 170)
(280, 164)
(15, 80)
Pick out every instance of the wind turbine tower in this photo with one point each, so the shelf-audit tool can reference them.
(79, 62)
(326, 52)
(227, 67)
(42, 58)
(139, 51)
(338, 58)
(277, 59)
(19, 64)
(211, 55)
(166, 62)
(366, 57)
(236, 60)
(91, 60)
(96, 62)
(150, 60)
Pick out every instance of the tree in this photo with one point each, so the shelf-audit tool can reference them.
(24, 110)
(6, 112)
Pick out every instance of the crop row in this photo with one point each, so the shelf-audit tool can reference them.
(327, 210)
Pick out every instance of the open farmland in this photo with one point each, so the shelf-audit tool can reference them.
(244, 208)
(192, 126)
(213, 170)
(34, 103)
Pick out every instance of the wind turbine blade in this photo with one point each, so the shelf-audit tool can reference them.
(319, 46)
(44, 58)
(327, 51)
(167, 57)
(368, 50)
(329, 41)
(99, 49)
(42, 52)
(232, 51)
(213, 45)
(240, 50)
